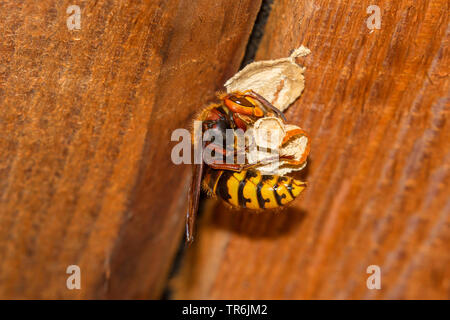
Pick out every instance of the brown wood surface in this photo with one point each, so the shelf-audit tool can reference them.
(376, 105)
(85, 124)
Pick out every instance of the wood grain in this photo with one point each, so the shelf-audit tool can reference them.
(376, 105)
(85, 123)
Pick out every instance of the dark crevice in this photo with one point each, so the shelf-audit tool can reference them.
(250, 52)
(257, 32)
(176, 264)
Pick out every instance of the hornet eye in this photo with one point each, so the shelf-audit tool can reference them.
(241, 101)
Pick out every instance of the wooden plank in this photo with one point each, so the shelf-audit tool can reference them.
(86, 117)
(376, 105)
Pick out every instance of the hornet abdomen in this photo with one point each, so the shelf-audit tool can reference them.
(250, 189)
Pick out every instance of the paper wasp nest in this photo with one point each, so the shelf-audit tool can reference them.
(280, 82)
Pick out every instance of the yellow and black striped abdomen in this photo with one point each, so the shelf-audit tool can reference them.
(250, 189)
